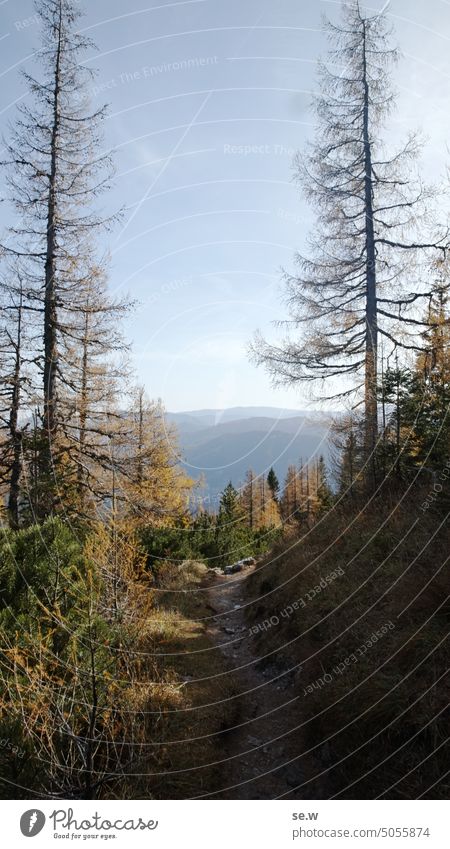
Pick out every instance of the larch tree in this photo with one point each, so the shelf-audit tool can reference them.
(361, 278)
(97, 372)
(12, 384)
(258, 502)
(269, 510)
(71, 671)
(56, 171)
(346, 452)
(290, 499)
(151, 485)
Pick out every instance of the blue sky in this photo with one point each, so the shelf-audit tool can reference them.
(209, 100)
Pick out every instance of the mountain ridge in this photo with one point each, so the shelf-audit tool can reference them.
(223, 451)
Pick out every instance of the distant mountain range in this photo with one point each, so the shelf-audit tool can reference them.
(221, 445)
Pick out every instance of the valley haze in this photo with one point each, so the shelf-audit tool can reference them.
(218, 446)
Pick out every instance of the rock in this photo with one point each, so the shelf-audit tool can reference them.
(233, 568)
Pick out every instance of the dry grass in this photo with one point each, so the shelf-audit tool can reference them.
(188, 709)
(373, 719)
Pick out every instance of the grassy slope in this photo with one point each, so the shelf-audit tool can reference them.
(369, 714)
(199, 709)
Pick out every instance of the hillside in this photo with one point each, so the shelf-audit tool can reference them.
(231, 414)
(243, 438)
(352, 618)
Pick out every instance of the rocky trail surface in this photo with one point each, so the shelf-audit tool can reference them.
(260, 752)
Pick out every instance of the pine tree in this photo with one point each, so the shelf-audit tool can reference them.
(232, 533)
(250, 500)
(273, 483)
(324, 495)
(418, 428)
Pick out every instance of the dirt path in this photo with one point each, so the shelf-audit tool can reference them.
(256, 769)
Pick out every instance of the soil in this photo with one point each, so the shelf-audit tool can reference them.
(260, 753)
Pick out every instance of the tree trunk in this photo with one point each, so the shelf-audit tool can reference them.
(89, 769)
(140, 468)
(371, 354)
(83, 407)
(307, 493)
(16, 434)
(50, 309)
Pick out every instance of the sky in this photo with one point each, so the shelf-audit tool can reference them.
(208, 102)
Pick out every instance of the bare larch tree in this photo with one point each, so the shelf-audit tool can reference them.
(13, 378)
(57, 170)
(362, 277)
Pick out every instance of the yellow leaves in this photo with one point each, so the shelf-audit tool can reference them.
(154, 490)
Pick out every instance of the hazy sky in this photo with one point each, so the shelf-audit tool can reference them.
(209, 100)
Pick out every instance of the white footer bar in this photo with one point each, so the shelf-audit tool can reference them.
(226, 824)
